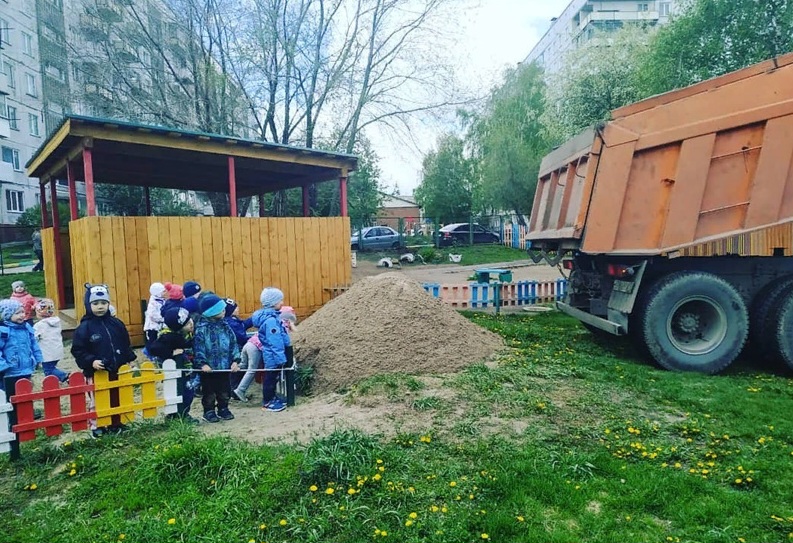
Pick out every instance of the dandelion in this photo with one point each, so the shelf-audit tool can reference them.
(434, 509)
(351, 491)
(408, 522)
(453, 484)
(413, 515)
(171, 521)
(121, 537)
(485, 536)
(444, 509)
(72, 472)
(381, 469)
(520, 519)
(282, 522)
(329, 491)
(262, 526)
(251, 541)
(377, 477)
(313, 488)
(379, 461)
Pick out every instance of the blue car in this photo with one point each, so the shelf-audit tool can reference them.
(375, 237)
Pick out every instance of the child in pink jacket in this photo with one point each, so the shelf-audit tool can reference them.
(19, 292)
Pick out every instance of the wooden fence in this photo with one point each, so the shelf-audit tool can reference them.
(234, 257)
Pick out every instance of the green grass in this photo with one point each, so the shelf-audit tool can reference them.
(604, 447)
(19, 253)
(33, 280)
(472, 255)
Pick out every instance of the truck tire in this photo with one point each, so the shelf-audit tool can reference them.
(782, 344)
(694, 321)
(762, 328)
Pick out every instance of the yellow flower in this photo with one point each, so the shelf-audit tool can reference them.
(408, 523)
(34, 486)
(444, 509)
(383, 533)
(485, 536)
(413, 515)
(121, 537)
(251, 541)
(350, 491)
(313, 488)
(377, 477)
(282, 522)
(453, 483)
(72, 472)
(379, 461)
(171, 521)
(520, 518)
(434, 509)
(262, 526)
(381, 468)
(329, 491)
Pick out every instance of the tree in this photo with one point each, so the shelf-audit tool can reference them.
(509, 139)
(32, 216)
(130, 201)
(447, 187)
(713, 37)
(596, 79)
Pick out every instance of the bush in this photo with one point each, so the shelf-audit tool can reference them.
(428, 254)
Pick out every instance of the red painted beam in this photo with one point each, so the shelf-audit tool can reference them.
(56, 232)
(88, 167)
(232, 187)
(73, 207)
(43, 205)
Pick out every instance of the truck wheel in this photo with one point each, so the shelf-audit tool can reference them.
(782, 343)
(694, 321)
(761, 327)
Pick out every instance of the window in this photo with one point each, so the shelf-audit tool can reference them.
(11, 156)
(5, 32)
(30, 83)
(11, 75)
(644, 7)
(12, 118)
(664, 9)
(33, 124)
(27, 43)
(14, 201)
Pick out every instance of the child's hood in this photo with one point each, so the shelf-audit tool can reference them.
(52, 321)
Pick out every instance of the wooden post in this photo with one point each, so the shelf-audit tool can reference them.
(56, 232)
(74, 212)
(147, 198)
(306, 203)
(88, 167)
(232, 187)
(343, 193)
(43, 204)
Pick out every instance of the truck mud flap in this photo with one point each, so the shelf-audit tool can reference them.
(597, 322)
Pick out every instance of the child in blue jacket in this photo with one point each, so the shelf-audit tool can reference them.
(19, 350)
(276, 345)
(215, 348)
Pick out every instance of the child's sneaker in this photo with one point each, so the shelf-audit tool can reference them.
(211, 416)
(97, 433)
(225, 414)
(274, 406)
(238, 397)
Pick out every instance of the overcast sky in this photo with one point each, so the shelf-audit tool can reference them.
(494, 34)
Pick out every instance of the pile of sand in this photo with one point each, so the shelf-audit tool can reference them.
(385, 324)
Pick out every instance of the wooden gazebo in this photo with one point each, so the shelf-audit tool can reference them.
(233, 256)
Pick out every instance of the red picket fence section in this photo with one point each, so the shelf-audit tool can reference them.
(54, 419)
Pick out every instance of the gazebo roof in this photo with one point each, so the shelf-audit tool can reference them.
(126, 153)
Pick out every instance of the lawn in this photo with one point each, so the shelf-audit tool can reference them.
(603, 448)
(472, 254)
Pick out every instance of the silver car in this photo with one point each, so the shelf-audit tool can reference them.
(375, 237)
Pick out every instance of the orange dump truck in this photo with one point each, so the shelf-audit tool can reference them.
(621, 205)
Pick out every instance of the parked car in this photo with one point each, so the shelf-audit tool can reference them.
(375, 237)
(460, 234)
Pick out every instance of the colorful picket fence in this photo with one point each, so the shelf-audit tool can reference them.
(157, 394)
(484, 295)
(515, 235)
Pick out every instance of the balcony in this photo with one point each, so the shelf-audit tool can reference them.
(5, 128)
(622, 16)
(6, 172)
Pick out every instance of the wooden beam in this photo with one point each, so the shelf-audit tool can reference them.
(232, 188)
(56, 232)
(74, 212)
(306, 201)
(343, 195)
(88, 169)
(43, 205)
(53, 144)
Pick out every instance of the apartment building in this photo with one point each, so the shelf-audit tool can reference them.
(582, 20)
(22, 127)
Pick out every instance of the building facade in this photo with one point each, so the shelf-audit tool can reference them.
(582, 20)
(399, 209)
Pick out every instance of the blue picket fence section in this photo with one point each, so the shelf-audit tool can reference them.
(483, 295)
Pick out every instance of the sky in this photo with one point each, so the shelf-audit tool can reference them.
(494, 35)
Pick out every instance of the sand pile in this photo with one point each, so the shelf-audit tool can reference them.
(385, 324)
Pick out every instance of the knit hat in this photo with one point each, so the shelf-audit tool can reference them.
(174, 291)
(191, 304)
(98, 293)
(8, 308)
(271, 296)
(231, 305)
(17, 284)
(211, 305)
(191, 288)
(45, 308)
(157, 290)
(176, 317)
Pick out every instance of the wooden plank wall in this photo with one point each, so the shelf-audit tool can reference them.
(234, 257)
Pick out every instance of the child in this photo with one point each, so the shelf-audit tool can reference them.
(191, 291)
(19, 351)
(19, 292)
(48, 332)
(153, 321)
(175, 296)
(275, 343)
(251, 361)
(175, 341)
(101, 343)
(239, 327)
(215, 348)
(289, 318)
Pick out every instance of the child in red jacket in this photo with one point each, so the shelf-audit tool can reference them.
(19, 292)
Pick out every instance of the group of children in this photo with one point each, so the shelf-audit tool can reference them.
(199, 330)
(26, 344)
(203, 332)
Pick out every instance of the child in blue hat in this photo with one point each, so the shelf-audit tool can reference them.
(19, 350)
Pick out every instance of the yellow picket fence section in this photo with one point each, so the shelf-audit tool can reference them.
(232, 256)
(148, 404)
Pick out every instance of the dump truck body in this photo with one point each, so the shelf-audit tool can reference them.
(628, 202)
